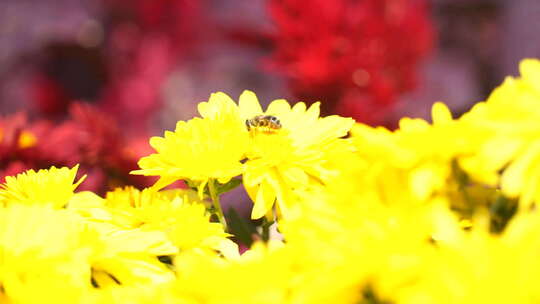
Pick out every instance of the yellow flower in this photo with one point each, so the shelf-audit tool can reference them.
(522, 176)
(290, 159)
(415, 161)
(510, 119)
(261, 276)
(127, 254)
(44, 254)
(476, 265)
(200, 149)
(186, 223)
(54, 186)
(279, 162)
(130, 257)
(48, 253)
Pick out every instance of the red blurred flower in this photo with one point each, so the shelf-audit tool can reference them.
(104, 148)
(89, 138)
(22, 145)
(356, 56)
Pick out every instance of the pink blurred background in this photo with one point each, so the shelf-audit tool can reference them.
(156, 59)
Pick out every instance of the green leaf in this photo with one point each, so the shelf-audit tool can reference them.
(266, 229)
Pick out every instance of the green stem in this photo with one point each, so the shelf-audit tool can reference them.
(266, 229)
(265, 232)
(215, 201)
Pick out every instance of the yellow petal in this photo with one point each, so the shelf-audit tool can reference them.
(163, 182)
(514, 179)
(85, 199)
(423, 181)
(530, 70)
(264, 200)
(295, 177)
(200, 189)
(440, 114)
(299, 108)
(217, 103)
(407, 124)
(157, 142)
(228, 248)
(313, 111)
(279, 107)
(249, 105)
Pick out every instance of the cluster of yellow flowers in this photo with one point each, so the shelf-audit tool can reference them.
(430, 213)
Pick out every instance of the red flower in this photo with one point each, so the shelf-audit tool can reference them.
(354, 55)
(89, 138)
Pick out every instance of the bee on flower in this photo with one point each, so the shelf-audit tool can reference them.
(273, 168)
(267, 123)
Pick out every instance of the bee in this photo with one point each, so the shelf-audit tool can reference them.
(267, 123)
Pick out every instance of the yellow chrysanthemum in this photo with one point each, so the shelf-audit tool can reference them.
(261, 276)
(279, 162)
(186, 224)
(415, 161)
(127, 254)
(111, 256)
(176, 220)
(511, 118)
(130, 257)
(45, 255)
(475, 266)
(200, 149)
(54, 186)
(523, 176)
(291, 158)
